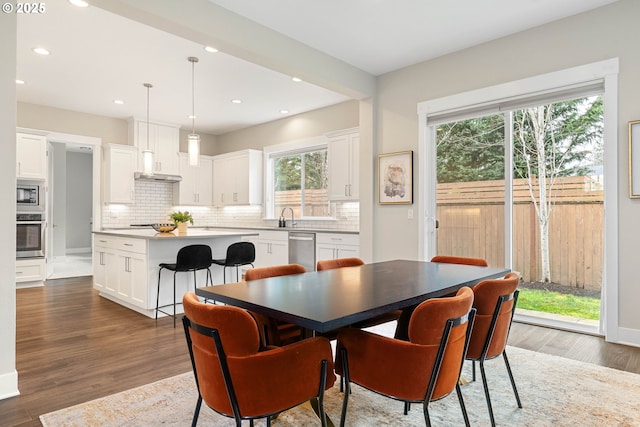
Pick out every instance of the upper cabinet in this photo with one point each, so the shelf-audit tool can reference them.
(237, 178)
(196, 187)
(119, 165)
(31, 156)
(343, 158)
(164, 141)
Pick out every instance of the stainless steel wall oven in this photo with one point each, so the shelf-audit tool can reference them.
(30, 229)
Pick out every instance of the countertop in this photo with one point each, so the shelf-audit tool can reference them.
(192, 233)
(149, 233)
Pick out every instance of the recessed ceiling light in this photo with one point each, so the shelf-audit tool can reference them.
(41, 51)
(19, 82)
(210, 49)
(236, 101)
(284, 111)
(192, 117)
(79, 3)
(118, 101)
(296, 79)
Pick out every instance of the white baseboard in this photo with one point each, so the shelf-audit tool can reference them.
(628, 336)
(9, 385)
(71, 251)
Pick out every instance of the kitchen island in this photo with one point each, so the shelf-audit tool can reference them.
(125, 263)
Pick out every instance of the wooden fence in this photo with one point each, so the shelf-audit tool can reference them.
(471, 223)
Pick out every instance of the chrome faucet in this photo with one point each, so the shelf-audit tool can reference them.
(293, 222)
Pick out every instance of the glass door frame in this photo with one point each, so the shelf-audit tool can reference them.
(477, 101)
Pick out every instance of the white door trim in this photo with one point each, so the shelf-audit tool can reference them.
(604, 70)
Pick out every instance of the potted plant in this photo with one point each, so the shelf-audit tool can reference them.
(182, 220)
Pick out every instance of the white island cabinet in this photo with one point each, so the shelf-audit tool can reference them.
(126, 264)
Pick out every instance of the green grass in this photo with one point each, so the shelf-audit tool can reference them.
(554, 302)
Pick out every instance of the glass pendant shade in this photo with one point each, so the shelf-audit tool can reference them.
(147, 158)
(193, 148)
(193, 139)
(147, 154)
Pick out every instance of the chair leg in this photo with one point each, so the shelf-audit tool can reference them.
(425, 411)
(513, 383)
(462, 405)
(473, 370)
(158, 294)
(347, 388)
(194, 422)
(174, 299)
(224, 274)
(486, 393)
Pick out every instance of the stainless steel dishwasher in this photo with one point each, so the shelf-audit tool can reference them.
(302, 249)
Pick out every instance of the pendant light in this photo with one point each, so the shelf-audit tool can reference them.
(147, 154)
(193, 139)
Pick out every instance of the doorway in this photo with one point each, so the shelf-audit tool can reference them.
(71, 204)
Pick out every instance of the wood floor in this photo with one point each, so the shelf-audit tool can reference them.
(74, 346)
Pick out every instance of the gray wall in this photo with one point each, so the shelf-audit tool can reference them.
(604, 33)
(78, 204)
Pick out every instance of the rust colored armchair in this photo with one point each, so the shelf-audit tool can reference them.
(495, 302)
(238, 381)
(330, 264)
(274, 332)
(423, 369)
(448, 259)
(403, 319)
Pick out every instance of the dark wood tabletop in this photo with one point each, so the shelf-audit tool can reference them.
(326, 300)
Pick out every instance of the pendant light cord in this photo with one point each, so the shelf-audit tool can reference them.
(193, 61)
(148, 86)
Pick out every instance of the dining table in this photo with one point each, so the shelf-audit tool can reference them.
(323, 301)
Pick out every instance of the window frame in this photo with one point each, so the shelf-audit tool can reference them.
(285, 149)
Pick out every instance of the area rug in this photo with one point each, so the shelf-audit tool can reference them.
(554, 391)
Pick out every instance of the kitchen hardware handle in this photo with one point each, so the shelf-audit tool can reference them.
(349, 190)
(345, 190)
(337, 238)
(102, 241)
(300, 238)
(29, 222)
(128, 244)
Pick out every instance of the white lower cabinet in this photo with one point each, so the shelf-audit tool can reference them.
(120, 269)
(337, 245)
(272, 247)
(30, 270)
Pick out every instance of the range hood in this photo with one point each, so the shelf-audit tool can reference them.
(157, 177)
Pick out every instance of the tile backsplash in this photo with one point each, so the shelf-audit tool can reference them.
(154, 203)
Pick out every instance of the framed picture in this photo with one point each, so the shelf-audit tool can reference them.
(634, 159)
(395, 178)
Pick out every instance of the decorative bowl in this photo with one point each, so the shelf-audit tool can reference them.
(164, 228)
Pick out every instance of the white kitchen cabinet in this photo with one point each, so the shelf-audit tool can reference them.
(272, 247)
(343, 159)
(237, 178)
(31, 156)
(120, 269)
(164, 141)
(119, 167)
(30, 270)
(337, 245)
(196, 187)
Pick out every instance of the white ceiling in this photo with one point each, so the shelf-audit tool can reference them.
(97, 56)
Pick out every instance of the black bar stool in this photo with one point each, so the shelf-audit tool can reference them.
(240, 253)
(190, 258)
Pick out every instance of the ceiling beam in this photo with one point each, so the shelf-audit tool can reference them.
(209, 24)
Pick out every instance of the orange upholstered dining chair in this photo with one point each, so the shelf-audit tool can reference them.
(403, 319)
(274, 332)
(495, 303)
(423, 369)
(237, 380)
(330, 264)
(448, 259)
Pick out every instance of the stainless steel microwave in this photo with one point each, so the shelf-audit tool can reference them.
(28, 195)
